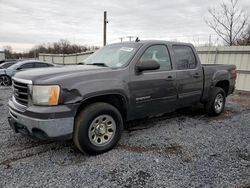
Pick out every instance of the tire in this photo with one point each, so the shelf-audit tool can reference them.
(5, 80)
(216, 103)
(98, 128)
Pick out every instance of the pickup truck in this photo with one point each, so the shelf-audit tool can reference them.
(90, 103)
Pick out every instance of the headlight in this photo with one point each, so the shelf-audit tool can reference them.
(45, 95)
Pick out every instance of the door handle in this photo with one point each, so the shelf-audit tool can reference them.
(196, 75)
(169, 78)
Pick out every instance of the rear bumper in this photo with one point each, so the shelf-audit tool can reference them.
(46, 128)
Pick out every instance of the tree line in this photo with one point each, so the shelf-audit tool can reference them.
(60, 47)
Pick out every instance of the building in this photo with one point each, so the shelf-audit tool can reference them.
(2, 55)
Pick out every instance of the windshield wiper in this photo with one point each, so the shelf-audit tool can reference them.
(98, 64)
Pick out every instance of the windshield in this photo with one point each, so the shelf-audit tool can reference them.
(6, 65)
(114, 56)
(15, 66)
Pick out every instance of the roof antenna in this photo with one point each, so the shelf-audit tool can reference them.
(137, 39)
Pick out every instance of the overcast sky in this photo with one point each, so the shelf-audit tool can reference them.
(24, 23)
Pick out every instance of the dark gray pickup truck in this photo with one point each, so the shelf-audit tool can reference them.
(121, 82)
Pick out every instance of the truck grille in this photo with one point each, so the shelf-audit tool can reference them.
(20, 92)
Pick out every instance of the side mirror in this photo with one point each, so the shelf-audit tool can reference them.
(19, 68)
(147, 65)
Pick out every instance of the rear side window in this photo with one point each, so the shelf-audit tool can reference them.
(27, 65)
(50, 65)
(39, 65)
(184, 56)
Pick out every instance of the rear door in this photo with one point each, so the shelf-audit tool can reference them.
(189, 75)
(154, 91)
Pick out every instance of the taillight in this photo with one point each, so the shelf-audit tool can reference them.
(233, 73)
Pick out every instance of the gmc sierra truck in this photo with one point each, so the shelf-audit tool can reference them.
(121, 82)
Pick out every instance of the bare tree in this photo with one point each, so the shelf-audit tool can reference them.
(245, 38)
(228, 21)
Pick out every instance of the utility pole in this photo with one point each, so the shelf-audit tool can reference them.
(105, 28)
(210, 41)
(34, 53)
(130, 37)
(121, 38)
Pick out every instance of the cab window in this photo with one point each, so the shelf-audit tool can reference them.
(160, 54)
(184, 56)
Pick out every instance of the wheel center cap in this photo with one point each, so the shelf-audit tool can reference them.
(100, 129)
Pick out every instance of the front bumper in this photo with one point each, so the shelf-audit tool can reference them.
(54, 125)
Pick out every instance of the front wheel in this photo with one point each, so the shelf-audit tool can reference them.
(216, 103)
(5, 80)
(98, 128)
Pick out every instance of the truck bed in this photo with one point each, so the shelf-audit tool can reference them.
(210, 71)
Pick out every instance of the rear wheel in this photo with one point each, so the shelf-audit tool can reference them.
(5, 80)
(98, 128)
(216, 103)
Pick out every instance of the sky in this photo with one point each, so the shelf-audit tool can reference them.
(26, 23)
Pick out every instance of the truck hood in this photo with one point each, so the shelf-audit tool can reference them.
(55, 74)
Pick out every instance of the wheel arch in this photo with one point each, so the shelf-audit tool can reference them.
(117, 100)
(224, 84)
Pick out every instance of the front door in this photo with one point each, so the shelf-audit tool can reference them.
(153, 92)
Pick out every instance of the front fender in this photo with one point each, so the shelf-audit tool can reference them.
(88, 89)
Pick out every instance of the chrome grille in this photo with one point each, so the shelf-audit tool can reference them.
(20, 92)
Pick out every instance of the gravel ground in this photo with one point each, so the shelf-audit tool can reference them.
(182, 149)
